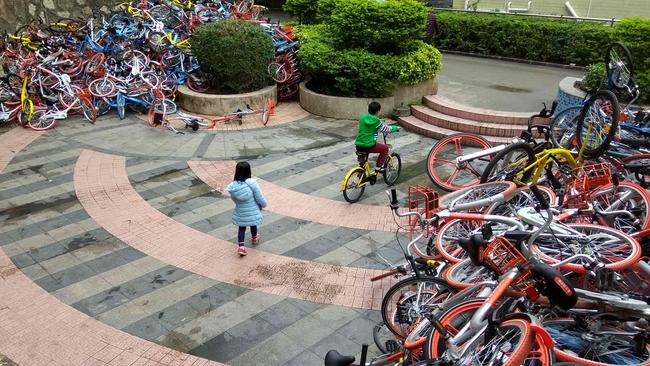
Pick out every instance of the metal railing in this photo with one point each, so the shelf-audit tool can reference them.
(611, 21)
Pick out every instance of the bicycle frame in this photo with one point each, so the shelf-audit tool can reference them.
(543, 158)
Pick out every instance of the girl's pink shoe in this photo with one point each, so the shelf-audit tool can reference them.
(255, 240)
(242, 251)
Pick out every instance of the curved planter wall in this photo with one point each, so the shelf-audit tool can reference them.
(353, 108)
(568, 95)
(221, 104)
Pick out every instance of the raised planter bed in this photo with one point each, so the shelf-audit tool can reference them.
(353, 108)
(221, 104)
(568, 95)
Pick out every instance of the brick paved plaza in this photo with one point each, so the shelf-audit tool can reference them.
(117, 246)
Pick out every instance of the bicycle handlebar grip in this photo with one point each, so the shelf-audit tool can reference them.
(393, 197)
(553, 108)
(543, 202)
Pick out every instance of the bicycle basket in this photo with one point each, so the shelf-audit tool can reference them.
(425, 201)
(500, 255)
(593, 176)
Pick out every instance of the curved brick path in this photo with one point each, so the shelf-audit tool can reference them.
(14, 140)
(103, 189)
(38, 329)
(283, 201)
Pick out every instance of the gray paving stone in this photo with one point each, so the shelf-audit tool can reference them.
(304, 359)
(338, 342)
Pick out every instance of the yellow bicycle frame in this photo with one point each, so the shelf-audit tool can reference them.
(27, 42)
(543, 158)
(182, 44)
(25, 102)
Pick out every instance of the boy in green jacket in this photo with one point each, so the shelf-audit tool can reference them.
(369, 127)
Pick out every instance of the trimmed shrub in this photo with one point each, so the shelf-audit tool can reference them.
(381, 27)
(361, 73)
(635, 34)
(549, 40)
(235, 55)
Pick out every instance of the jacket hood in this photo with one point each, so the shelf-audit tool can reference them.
(240, 191)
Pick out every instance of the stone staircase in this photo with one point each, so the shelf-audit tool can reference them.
(439, 117)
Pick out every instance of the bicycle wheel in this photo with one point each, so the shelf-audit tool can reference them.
(278, 72)
(26, 112)
(479, 196)
(522, 198)
(465, 274)
(266, 111)
(196, 81)
(41, 123)
(393, 168)
(102, 88)
(382, 336)
(354, 184)
(442, 168)
(628, 197)
(405, 302)
(88, 110)
(563, 127)
(597, 124)
(509, 165)
(596, 342)
(619, 66)
(121, 106)
(510, 343)
(613, 248)
(448, 235)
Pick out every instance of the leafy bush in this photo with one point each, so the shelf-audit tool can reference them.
(234, 54)
(361, 73)
(595, 75)
(303, 9)
(421, 62)
(381, 27)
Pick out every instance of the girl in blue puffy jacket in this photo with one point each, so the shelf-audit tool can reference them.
(249, 203)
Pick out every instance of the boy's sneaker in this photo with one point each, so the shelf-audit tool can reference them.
(380, 170)
(242, 251)
(255, 240)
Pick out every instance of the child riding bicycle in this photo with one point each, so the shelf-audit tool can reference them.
(369, 128)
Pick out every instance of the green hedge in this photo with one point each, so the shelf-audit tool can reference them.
(548, 40)
(235, 55)
(358, 72)
(559, 41)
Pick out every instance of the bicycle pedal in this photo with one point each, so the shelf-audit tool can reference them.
(392, 346)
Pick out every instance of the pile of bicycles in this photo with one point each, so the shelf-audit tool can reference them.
(133, 58)
(510, 277)
(538, 256)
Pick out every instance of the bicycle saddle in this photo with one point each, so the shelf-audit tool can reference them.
(474, 247)
(334, 358)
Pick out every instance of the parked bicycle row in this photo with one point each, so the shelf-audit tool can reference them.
(134, 57)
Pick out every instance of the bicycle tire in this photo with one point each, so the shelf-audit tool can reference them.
(448, 235)
(619, 75)
(637, 167)
(637, 201)
(360, 174)
(622, 251)
(88, 110)
(433, 160)
(563, 127)
(522, 156)
(26, 112)
(266, 112)
(400, 313)
(389, 166)
(572, 344)
(465, 274)
(41, 124)
(196, 82)
(478, 197)
(589, 117)
(121, 106)
(521, 199)
(436, 347)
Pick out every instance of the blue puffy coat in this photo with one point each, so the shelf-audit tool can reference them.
(248, 197)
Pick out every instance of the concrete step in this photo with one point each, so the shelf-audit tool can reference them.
(451, 108)
(439, 119)
(418, 126)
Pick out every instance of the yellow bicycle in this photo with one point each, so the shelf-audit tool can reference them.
(26, 104)
(359, 177)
